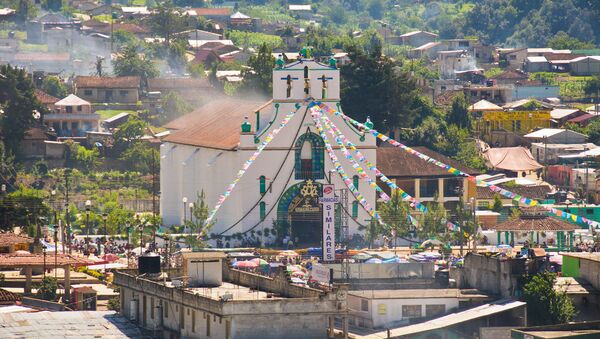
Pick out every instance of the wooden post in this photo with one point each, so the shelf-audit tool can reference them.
(28, 270)
(67, 274)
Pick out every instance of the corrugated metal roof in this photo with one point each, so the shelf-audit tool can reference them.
(450, 320)
(80, 324)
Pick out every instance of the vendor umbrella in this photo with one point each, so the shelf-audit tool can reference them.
(260, 262)
(361, 256)
(289, 253)
(110, 257)
(245, 264)
(373, 261)
(431, 242)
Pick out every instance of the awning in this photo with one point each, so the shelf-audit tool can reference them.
(511, 159)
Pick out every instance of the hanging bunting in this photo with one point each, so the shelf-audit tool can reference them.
(247, 165)
(338, 167)
(523, 200)
(363, 175)
(405, 196)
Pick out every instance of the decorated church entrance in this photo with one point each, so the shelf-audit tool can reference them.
(300, 210)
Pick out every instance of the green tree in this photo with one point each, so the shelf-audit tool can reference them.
(545, 304)
(196, 70)
(129, 133)
(54, 86)
(498, 205)
(592, 86)
(47, 288)
(394, 214)
(24, 206)
(173, 107)
(198, 231)
(130, 63)
(167, 20)
(467, 224)
(18, 105)
(141, 157)
(373, 231)
(562, 40)
(122, 38)
(372, 86)
(53, 5)
(459, 113)
(434, 221)
(376, 9)
(258, 77)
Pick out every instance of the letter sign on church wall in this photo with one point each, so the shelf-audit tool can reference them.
(328, 200)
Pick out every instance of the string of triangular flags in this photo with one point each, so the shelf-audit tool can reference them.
(361, 172)
(249, 163)
(516, 197)
(338, 167)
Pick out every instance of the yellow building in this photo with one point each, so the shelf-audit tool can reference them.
(520, 122)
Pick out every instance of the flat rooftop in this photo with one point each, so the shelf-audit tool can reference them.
(237, 291)
(418, 293)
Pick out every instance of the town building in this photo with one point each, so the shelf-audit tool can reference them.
(391, 308)
(108, 89)
(417, 38)
(192, 90)
(214, 300)
(423, 180)
(73, 117)
(585, 66)
(207, 147)
(11, 242)
(556, 136)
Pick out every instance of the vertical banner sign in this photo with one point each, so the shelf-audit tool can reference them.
(328, 200)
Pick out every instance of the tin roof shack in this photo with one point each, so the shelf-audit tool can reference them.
(241, 305)
(579, 330)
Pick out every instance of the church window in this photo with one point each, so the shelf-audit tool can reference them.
(355, 181)
(309, 157)
(262, 207)
(355, 209)
(305, 72)
(263, 184)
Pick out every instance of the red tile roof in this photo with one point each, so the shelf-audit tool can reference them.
(107, 82)
(511, 74)
(131, 28)
(215, 125)
(397, 163)
(45, 98)
(42, 57)
(582, 118)
(159, 84)
(445, 99)
(545, 223)
(20, 260)
(8, 298)
(212, 11)
(7, 239)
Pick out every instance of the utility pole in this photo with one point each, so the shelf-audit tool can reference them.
(68, 220)
(154, 196)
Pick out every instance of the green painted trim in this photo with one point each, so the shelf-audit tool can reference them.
(352, 128)
(257, 120)
(257, 137)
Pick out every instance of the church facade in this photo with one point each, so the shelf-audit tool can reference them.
(281, 188)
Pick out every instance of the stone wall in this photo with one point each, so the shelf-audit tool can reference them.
(492, 275)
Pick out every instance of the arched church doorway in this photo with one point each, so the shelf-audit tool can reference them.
(300, 210)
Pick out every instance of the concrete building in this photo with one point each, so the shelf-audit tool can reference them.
(106, 89)
(417, 38)
(240, 305)
(549, 153)
(391, 308)
(73, 117)
(588, 65)
(556, 136)
(424, 180)
(452, 62)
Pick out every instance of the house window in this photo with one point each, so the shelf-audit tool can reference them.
(263, 184)
(193, 321)
(309, 157)
(208, 325)
(69, 109)
(263, 210)
(411, 311)
(428, 187)
(166, 309)
(355, 209)
(87, 92)
(123, 93)
(364, 305)
(589, 211)
(355, 181)
(79, 108)
(182, 318)
(151, 308)
(433, 310)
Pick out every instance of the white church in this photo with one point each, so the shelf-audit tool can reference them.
(207, 147)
